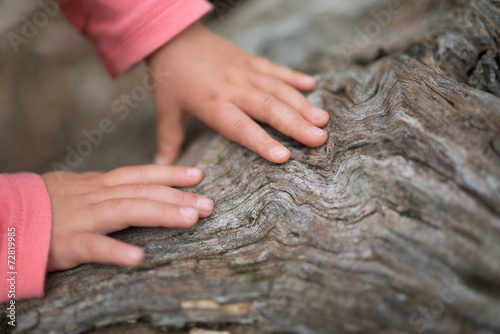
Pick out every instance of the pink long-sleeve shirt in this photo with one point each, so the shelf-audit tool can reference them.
(123, 32)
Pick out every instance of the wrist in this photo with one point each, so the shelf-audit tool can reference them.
(178, 44)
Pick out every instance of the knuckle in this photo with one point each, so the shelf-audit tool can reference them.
(286, 72)
(275, 120)
(167, 210)
(122, 207)
(269, 103)
(87, 246)
(109, 178)
(176, 171)
(263, 139)
(241, 124)
(279, 116)
(100, 207)
(296, 119)
(272, 85)
(181, 197)
(234, 80)
(187, 199)
(140, 190)
(191, 199)
(142, 171)
(304, 105)
(286, 121)
(261, 62)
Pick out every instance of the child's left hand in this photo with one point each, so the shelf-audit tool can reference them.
(227, 88)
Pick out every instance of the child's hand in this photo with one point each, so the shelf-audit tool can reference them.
(87, 206)
(228, 89)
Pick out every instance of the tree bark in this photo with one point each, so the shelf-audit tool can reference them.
(393, 226)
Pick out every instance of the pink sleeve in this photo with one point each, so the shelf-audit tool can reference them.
(26, 217)
(124, 32)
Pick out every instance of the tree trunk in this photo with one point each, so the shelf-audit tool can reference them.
(393, 226)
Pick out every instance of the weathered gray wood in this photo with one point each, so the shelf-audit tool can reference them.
(392, 227)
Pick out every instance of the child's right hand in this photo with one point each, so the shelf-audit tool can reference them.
(230, 90)
(88, 206)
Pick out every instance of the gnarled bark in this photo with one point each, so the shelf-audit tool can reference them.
(393, 226)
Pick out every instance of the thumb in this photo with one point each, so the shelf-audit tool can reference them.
(170, 136)
(92, 247)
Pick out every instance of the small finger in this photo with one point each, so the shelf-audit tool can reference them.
(170, 135)
(161, 194)
(233, 123)
(172, 176)
(92, 247)
(292, 97)
(267, 109)
(299, 80)
(118, 214)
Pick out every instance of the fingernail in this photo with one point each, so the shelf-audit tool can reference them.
(194, 172)
(316, 132)
(159, 160)
(308, 80)
(205, 204)
(317, 114)
(134, 253)
(189, 213)
(280, 152)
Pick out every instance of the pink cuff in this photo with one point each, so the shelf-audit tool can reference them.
(158, 30)
(26, 217)
(125, 32)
